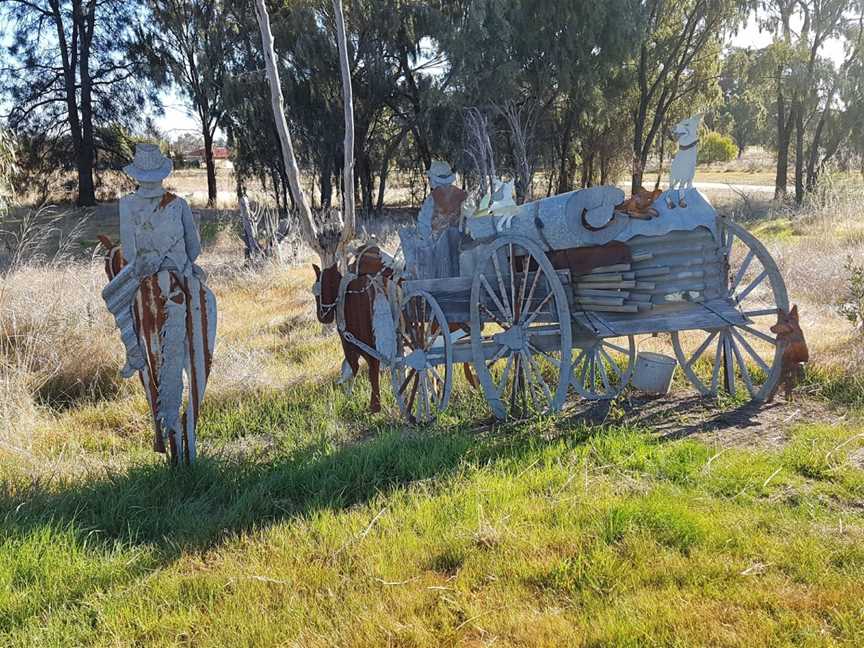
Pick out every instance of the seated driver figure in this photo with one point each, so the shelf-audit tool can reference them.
(442, 209)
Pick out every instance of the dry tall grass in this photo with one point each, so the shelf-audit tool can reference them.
(811, 245)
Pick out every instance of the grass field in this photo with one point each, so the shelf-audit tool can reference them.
(309, 522)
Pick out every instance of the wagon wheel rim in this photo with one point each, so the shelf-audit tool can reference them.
(524, 363)
(602, 368)
(422, 375)
(735, 358)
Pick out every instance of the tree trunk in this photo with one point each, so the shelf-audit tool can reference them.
(367, 187)
(799, 154)
(588, 170)
(565, 168)
(382, 187)
(784, 124)
(604, 169)
(211, 166)
(87, 151)
(86, 186)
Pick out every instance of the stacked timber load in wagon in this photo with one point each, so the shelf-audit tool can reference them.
(608, 289)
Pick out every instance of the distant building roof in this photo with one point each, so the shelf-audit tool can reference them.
(219, 153)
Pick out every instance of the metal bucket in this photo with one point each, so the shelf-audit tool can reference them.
(653, 372)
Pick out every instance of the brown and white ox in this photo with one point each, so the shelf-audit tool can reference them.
(359, 298)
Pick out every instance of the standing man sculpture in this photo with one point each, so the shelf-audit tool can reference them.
(443, 206)
(166, 315)
(439, 223)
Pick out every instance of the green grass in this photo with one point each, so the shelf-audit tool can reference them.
(345, 529)
(309, 522)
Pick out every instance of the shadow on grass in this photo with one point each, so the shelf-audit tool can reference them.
(227, 493)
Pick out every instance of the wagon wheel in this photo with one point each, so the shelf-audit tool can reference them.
(520, 329)
(739, 354)
(422, 374)
(602, 368)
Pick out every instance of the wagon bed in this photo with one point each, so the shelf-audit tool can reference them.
(705, 281)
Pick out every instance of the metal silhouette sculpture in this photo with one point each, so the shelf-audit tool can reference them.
(683, 167)
(165, 313)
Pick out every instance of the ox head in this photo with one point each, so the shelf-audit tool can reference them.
(326, 291)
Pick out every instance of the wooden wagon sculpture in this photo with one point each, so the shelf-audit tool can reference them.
(551, 299)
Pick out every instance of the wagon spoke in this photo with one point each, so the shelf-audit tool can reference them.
(751, 351)
(501, 287)
(537, 373)
(729, 364)
(745, 374)
(555, 361)
(701, 349)
(498, 355)
(584, 375)
(539, 309)
(759, 334)
(411, 374)
(604, 378)
(715, 373)
(524, 288)
(527, 302)
(515, 387)
(429, 393)
(493, 316)
(505, 374)
(413, 394)
(740, 275)
(617, 348)
(534, 373)
(434, 371)
(612, 364)
(493, 295)
(527, 378)
(513, 302)
(758, 280)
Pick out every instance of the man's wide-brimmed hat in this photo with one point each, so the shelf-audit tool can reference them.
(149, 165)
(441, 172)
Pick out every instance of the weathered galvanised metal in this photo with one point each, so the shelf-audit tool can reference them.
(554, 305)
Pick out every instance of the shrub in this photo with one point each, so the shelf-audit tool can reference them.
(714, 147)
(851, 305)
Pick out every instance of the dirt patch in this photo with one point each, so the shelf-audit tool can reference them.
(857, 458)
(682, 414)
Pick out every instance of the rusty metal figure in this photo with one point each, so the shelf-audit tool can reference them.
(165, 313)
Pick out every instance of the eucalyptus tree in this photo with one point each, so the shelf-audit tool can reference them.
(743, 111)
(841, 107)
(544, 57)
(67, 71)
(801, 29)
(189, 44)
(678, 61)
